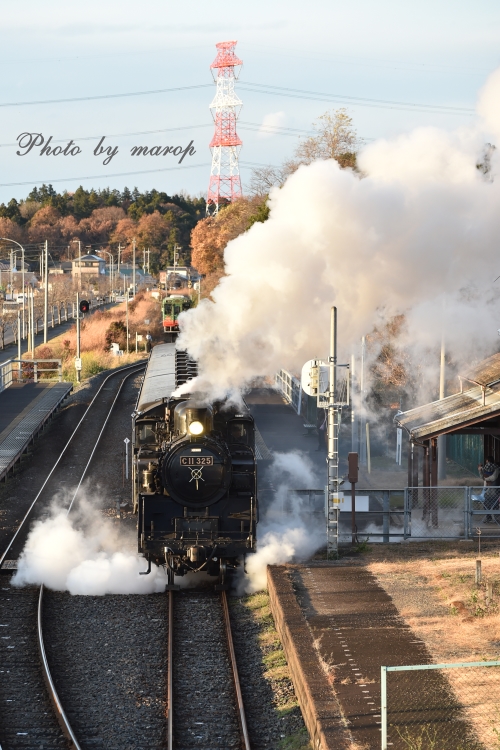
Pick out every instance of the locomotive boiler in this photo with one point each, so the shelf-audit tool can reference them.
(194, 474)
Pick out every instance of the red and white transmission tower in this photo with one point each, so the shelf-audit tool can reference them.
(225, 182)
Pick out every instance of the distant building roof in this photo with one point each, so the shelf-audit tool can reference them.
(89, 257)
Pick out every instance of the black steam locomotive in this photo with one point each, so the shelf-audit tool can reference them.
(194, 474)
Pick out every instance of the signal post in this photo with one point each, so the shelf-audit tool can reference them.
(331, 399)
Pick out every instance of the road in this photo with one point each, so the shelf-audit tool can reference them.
(10, 349)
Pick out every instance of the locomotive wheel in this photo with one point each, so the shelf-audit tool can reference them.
(171, 585)
(222, 582)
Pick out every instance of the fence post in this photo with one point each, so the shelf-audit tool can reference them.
(406, 512)
(467, 506)
(383, 706)
(386, 506)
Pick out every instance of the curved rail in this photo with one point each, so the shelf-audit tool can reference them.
(28, 512)
(61, 716)
(241, 709)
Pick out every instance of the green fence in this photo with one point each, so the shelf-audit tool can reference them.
(441, 706)
(466, 450)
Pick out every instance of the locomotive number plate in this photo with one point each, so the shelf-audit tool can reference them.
(197, 460)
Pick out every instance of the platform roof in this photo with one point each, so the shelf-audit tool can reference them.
(460, 411)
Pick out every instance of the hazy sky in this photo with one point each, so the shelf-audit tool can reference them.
(395, 53)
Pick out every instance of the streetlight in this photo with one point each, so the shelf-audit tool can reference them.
(7, 239)
(79, 263)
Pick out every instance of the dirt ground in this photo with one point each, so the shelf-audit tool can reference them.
(433, 586)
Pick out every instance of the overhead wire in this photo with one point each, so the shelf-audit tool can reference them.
(267, 89)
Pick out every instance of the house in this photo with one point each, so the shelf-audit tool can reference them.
(88, 265)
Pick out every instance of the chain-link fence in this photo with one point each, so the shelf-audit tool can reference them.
(441, 706)
(436, 512)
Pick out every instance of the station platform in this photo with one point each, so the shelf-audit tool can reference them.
(283, 431)
(338, 626)
(24, 410)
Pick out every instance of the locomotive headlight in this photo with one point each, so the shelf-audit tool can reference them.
(195, 428)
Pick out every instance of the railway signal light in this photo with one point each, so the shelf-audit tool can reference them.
(314, 379)
(84, 306)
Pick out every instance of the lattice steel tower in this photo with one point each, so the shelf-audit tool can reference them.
(225, 182)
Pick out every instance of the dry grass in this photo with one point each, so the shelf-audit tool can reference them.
(433, 587)
(94, 338)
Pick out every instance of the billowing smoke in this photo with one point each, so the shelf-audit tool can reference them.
(416, 232)
(289, 530)
(84, 553)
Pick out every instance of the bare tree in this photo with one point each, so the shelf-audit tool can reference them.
(264, 178)
(335, 138)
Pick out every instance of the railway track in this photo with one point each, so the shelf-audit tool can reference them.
(25, 715)
(204, 701)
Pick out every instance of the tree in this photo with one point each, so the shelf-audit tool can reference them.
(335, 138)
(44, 225)
(211, 235)
(101, 223)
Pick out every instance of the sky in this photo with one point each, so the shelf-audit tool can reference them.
(394, 65)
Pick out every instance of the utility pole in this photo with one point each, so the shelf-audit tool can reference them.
(46, 293)
(441, 441)
(133, 271)
(118, 269)
(78, 371)
(79, 263)
(354, 423)
(362, 414)
(32, 324)
(24, 290)
(19, 339)
(126, 302)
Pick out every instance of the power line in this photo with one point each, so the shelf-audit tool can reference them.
(120, 174)
(262, 88)
(281, 130)
(105, 96)
(273, 90)
(102, 176)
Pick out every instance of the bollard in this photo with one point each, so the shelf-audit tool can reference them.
(489, 591)
(478, 572)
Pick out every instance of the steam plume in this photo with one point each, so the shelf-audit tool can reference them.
(417, 232)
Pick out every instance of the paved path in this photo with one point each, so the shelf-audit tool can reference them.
(283, 430)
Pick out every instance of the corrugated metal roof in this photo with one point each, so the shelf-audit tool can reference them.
(449, 413)
(485, 373)
(159, 380)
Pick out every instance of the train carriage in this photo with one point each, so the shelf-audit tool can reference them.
(194, 474)
(172, 306)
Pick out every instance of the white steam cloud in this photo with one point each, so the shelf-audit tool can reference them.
(288, 531)
(416, 233)
(84, 553)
